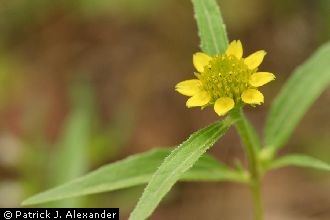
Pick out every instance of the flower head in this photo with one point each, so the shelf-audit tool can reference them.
(226, 80)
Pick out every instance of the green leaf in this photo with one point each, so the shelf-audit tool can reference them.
(74, 141)
(212, 30)
(132, 171)
(297, 95)
(299, 160)
(175, 165)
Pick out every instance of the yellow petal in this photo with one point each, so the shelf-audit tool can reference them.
(235, 48)
(223, 105)
(261, 78)
(200, 99)
(252, 96)
(189, 87)
(255, 59)
(200, 60)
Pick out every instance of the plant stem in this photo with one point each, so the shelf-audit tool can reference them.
(256, 193)
(251, 146)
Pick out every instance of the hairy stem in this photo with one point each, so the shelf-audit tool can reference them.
(251, 146)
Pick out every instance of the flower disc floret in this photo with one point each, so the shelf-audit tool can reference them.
(226, 80)
(226, 76)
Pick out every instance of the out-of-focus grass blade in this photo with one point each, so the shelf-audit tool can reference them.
(212, 30)
(297, 95)
(132, 171)
(71, 159)
(299, 160)
(175, 165)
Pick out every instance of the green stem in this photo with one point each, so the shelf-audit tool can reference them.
(257, 201)
(251, 146)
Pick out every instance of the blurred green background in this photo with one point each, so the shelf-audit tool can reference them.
(84, 83)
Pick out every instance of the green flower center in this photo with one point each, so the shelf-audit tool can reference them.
(226, 76)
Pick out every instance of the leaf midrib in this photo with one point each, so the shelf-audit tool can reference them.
(210, 27)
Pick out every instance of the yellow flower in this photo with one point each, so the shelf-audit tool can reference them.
(226, 80)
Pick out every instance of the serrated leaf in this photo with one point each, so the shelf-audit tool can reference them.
(299, 160)
(132, 171)
(297, 95)
(175, 165)
(211, 29)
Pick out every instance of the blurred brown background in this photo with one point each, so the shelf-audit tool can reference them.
(84, 83)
